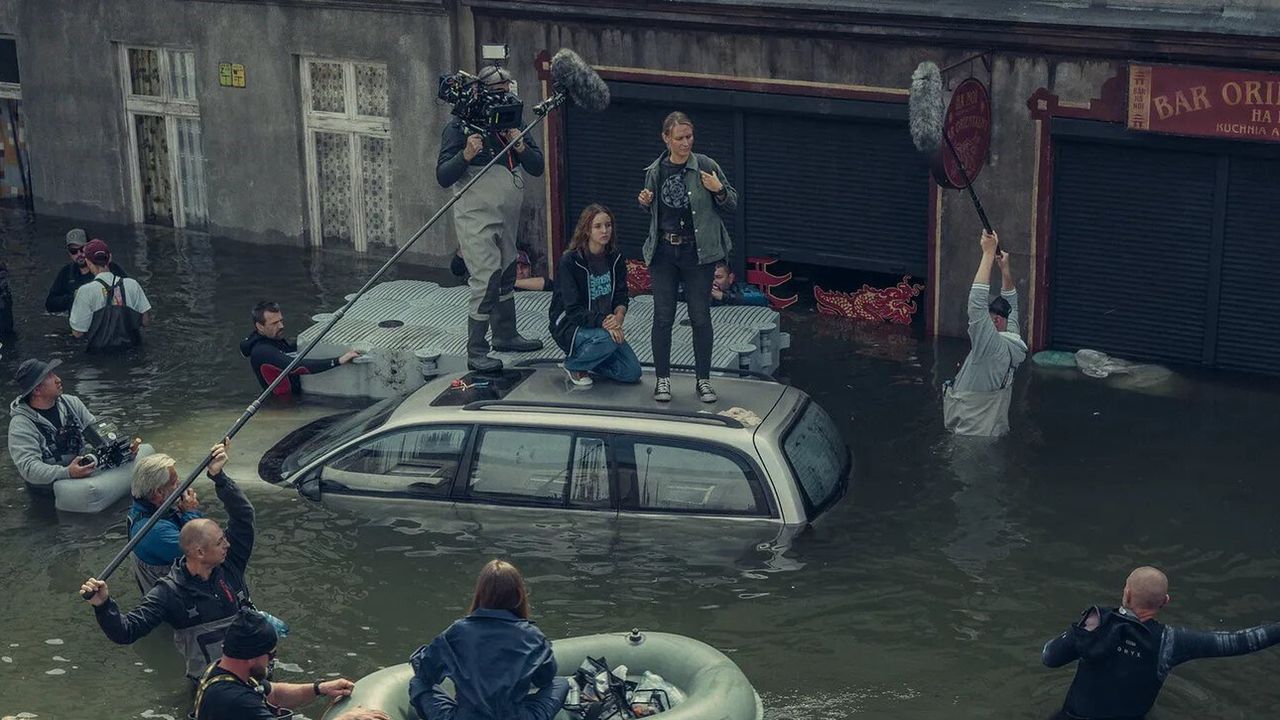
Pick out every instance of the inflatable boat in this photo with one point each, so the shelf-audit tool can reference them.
(98, 491)
(714, 687)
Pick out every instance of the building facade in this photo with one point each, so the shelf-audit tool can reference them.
(316, 121)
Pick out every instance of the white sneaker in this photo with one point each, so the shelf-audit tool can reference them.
(579, 379)
(662, 390)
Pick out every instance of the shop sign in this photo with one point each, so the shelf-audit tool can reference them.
(968, 125)
(1207, 102)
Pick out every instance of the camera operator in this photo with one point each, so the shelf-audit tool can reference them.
(47, 428)
(486, 221)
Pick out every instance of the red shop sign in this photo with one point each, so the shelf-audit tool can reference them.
(1236, 104)
(968, 125)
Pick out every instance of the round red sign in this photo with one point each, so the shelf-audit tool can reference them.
(968, 125)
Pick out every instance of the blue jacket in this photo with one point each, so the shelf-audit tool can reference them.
(160, 546)
(493, 658)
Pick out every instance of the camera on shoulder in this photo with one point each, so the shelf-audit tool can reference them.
(483, 102)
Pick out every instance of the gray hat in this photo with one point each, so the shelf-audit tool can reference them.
(76, 236)
(31, 373)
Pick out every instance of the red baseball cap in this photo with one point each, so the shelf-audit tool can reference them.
(98, 252)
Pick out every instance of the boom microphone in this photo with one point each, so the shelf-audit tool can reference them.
(924, 120)
(924, 107)
(573, 77)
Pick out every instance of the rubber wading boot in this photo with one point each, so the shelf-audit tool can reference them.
(478, 348)
(506, 338)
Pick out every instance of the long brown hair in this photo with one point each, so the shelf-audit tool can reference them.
(582, 233)
(500, 586)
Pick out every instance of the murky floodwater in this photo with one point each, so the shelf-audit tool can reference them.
(926, 593)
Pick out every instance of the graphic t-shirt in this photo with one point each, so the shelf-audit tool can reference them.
(674, 213)
(599, 283)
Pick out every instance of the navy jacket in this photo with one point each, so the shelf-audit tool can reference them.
(570, 303)
(493, 658)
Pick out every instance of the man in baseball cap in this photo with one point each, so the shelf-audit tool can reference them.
(74, 274)
(46, 428)
(111, 310)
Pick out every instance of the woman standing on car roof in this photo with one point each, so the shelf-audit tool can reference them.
(687, 237)
(590, 303)
(494, 656)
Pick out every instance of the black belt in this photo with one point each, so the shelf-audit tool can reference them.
(676, 238)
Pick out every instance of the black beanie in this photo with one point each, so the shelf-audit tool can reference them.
(249, 636)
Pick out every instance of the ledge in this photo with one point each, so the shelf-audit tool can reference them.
(432, 7)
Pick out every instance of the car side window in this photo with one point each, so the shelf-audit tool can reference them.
(661, 475)
(420, 461)
(522, 465)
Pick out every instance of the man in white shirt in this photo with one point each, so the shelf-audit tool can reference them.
(110, 311)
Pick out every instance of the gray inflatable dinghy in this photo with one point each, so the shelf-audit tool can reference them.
(715, 688)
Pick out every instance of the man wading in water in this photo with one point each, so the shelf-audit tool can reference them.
(1125, 655)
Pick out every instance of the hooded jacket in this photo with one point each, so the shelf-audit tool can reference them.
(262, 350)
(571, 303)
(31, 441)
(493, 657)
(198, 610)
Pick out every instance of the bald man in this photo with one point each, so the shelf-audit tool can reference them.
(205, 589)
(1125, 655)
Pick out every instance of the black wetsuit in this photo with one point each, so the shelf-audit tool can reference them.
(1124, 662)
(279, 352)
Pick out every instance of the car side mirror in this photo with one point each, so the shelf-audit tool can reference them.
(309, 486)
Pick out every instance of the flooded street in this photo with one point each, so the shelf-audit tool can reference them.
(926, 593)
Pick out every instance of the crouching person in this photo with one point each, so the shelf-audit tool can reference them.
(494, 657)
(590, 304)
(236, 686)
(204, 590)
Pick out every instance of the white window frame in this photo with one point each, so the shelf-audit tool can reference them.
(348, 123)
(168, 107)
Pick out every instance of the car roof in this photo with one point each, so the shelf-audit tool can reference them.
(549, 388)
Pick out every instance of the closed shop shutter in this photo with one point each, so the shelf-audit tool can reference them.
(606, 155)
(1130, 256)
(835, 191)
(1248, 306)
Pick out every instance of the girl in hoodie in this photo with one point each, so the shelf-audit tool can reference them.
(590, 304)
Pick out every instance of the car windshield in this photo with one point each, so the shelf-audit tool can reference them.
(347, 428)
(818, 458)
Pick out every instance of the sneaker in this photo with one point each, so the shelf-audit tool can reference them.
(662, 390)
(706, 393)
(579, 379)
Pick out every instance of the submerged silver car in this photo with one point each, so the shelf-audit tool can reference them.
(764, 452)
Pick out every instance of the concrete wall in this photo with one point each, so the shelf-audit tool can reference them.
(253, 140)
(1006, 185)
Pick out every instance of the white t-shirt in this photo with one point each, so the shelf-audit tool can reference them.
(92, 297)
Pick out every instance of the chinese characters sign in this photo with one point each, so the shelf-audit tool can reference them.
(1235, 104)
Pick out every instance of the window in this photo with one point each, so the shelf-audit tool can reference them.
(346, 114)
(527, 466)
(165, 149)
(421, 461)
(344, 430)
(665, 476)
(590, 474)
(818, 457)
(15, 163)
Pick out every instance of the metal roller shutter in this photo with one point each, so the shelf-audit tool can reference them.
(1248, 308)
(834, 191)
(606, 155)
(1130, 266)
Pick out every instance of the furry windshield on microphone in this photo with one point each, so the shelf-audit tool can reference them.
(924, 107)
(572, 76)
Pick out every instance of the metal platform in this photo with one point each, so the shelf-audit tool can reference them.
(410, 330)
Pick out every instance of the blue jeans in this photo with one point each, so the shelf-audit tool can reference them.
(542, 705)
(595, 351)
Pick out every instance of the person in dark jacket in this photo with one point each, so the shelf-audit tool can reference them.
(205, 589)
(726, 290)
(494, 656)
(1125, 655)
(270, 352)
(486, 220)
(155, 477)
(236, 687)
(62, 293)
(590, 304)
